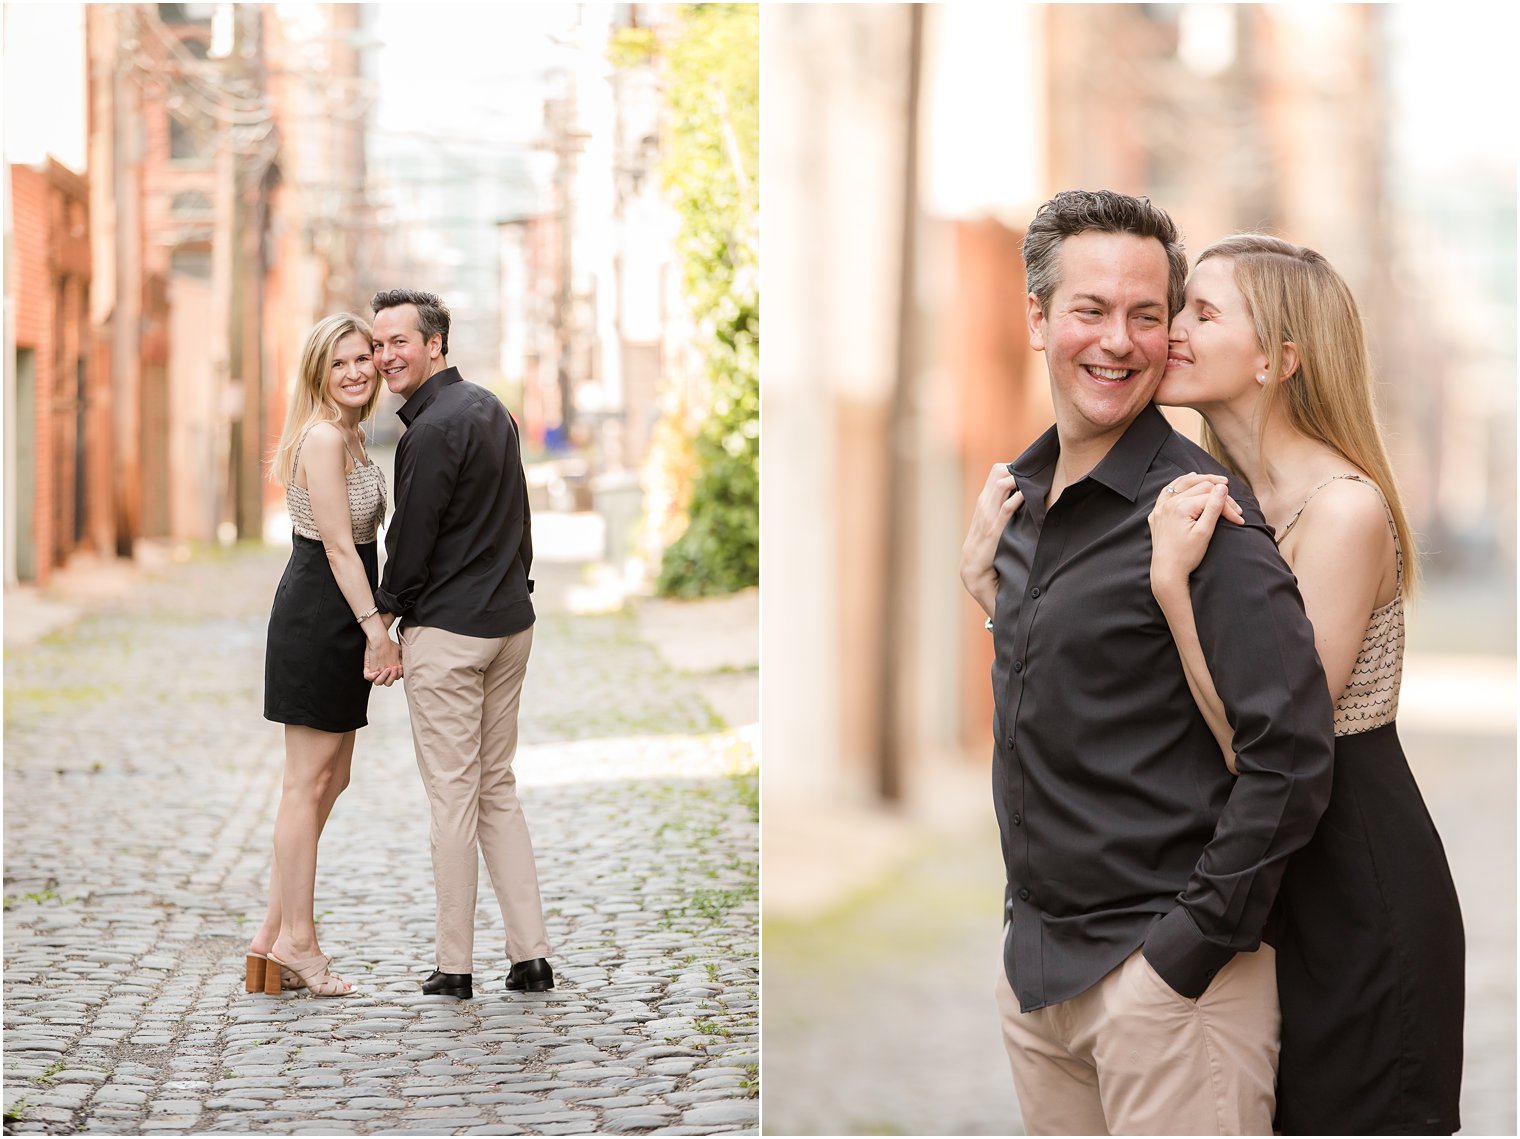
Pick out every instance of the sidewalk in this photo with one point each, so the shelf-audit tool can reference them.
(141, 782)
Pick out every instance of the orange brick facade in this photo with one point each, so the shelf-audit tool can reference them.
(67, 426)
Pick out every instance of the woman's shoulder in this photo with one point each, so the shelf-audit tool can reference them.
(323, 444)
(324, 438)
(1347, 511)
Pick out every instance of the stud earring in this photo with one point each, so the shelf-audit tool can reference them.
(1261, 379)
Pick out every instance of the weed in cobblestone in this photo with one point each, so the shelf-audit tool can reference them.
(48, 894)
(47, 1076)
(750, 1081)
(16, 1110)
(746, 786)
(713, 904)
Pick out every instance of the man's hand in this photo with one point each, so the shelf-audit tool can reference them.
(995, 505)
(1182, 523)
(382, 662)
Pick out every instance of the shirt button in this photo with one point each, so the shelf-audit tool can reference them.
(1035, 592)
(1023, 895)
(1018, 819)
(1010, 743)
(1018, 666)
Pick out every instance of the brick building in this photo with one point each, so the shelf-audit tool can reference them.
(61, 389)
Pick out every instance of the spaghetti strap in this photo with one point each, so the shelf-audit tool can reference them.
(1398, 553)
(1310, 496)
(295, 461)
(358, 462)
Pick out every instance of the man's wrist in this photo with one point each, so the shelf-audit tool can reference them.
(1183, 958)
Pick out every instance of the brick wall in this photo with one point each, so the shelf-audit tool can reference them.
(50, 222)
(34, 330)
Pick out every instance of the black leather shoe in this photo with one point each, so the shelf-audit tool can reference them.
(449, 985)
(530, 976)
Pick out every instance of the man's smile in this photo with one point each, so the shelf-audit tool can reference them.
(1108, 375)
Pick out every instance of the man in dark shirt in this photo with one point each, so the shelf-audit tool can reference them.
(1136, 994)
(458, 552)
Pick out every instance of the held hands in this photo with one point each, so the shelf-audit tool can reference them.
(995, 505)
(1182, 523)
(382, 662)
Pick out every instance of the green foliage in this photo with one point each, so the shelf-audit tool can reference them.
(710, 167)
(631, 47)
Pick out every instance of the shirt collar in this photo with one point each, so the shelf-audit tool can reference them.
(1122, 470)
(425, 395)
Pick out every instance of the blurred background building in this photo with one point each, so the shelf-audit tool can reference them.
(205, 181)
(906, 148)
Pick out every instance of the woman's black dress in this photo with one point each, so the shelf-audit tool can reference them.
(1370, 955)
(314, 659)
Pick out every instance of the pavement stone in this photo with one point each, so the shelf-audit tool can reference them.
(141, 784)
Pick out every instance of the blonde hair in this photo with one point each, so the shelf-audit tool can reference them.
(1296, 296)
(310, 402)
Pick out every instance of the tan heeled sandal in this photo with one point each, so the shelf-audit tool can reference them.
(256, 970)
(317, 975)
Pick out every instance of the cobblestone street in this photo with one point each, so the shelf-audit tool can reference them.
(140, 789)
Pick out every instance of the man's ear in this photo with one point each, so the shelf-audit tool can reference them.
(435, 346)
(1289, 360)
(1036, 318)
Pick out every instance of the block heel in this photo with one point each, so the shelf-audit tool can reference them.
(254, 967)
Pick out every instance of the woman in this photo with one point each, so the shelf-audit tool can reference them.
(323, 628)
(1269, 349)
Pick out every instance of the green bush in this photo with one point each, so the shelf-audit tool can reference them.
(710, 167)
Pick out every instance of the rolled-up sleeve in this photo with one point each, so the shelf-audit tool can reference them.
(1259, 646)
(426, 471)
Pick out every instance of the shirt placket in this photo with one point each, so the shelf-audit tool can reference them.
(1028, 929)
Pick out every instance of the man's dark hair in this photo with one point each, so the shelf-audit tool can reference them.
(432, 313)
(1102, 211)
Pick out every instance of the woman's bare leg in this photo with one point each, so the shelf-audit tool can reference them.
(269, 929)
(312, 761)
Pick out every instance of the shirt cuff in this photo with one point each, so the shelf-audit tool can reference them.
(387, 602)
(1180, 954)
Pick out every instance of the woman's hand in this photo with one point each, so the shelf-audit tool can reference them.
(995, 505)
(382, 661)
(1182, 523)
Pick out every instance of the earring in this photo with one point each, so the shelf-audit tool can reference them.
(1261, 379)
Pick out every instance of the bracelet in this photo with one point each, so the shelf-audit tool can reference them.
(363, 617)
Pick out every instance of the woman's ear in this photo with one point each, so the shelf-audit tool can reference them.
(1289, 360)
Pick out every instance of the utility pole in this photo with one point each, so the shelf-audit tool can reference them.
(121, 120)
(896, 721)
(565, 144)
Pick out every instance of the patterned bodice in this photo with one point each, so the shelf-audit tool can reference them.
(366, 500)
(1371, 698)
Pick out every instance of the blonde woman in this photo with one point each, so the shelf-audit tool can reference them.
(1269, 347)
(323, 629)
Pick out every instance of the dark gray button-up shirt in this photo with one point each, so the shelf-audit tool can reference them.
(460, 544)
(1121, 824)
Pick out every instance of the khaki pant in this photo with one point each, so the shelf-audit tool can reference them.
(1130, 1056)
(463, 694)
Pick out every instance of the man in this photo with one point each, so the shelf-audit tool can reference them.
(1135, 994)
(458, 551)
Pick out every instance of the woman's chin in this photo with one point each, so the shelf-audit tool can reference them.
(1169, 394)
